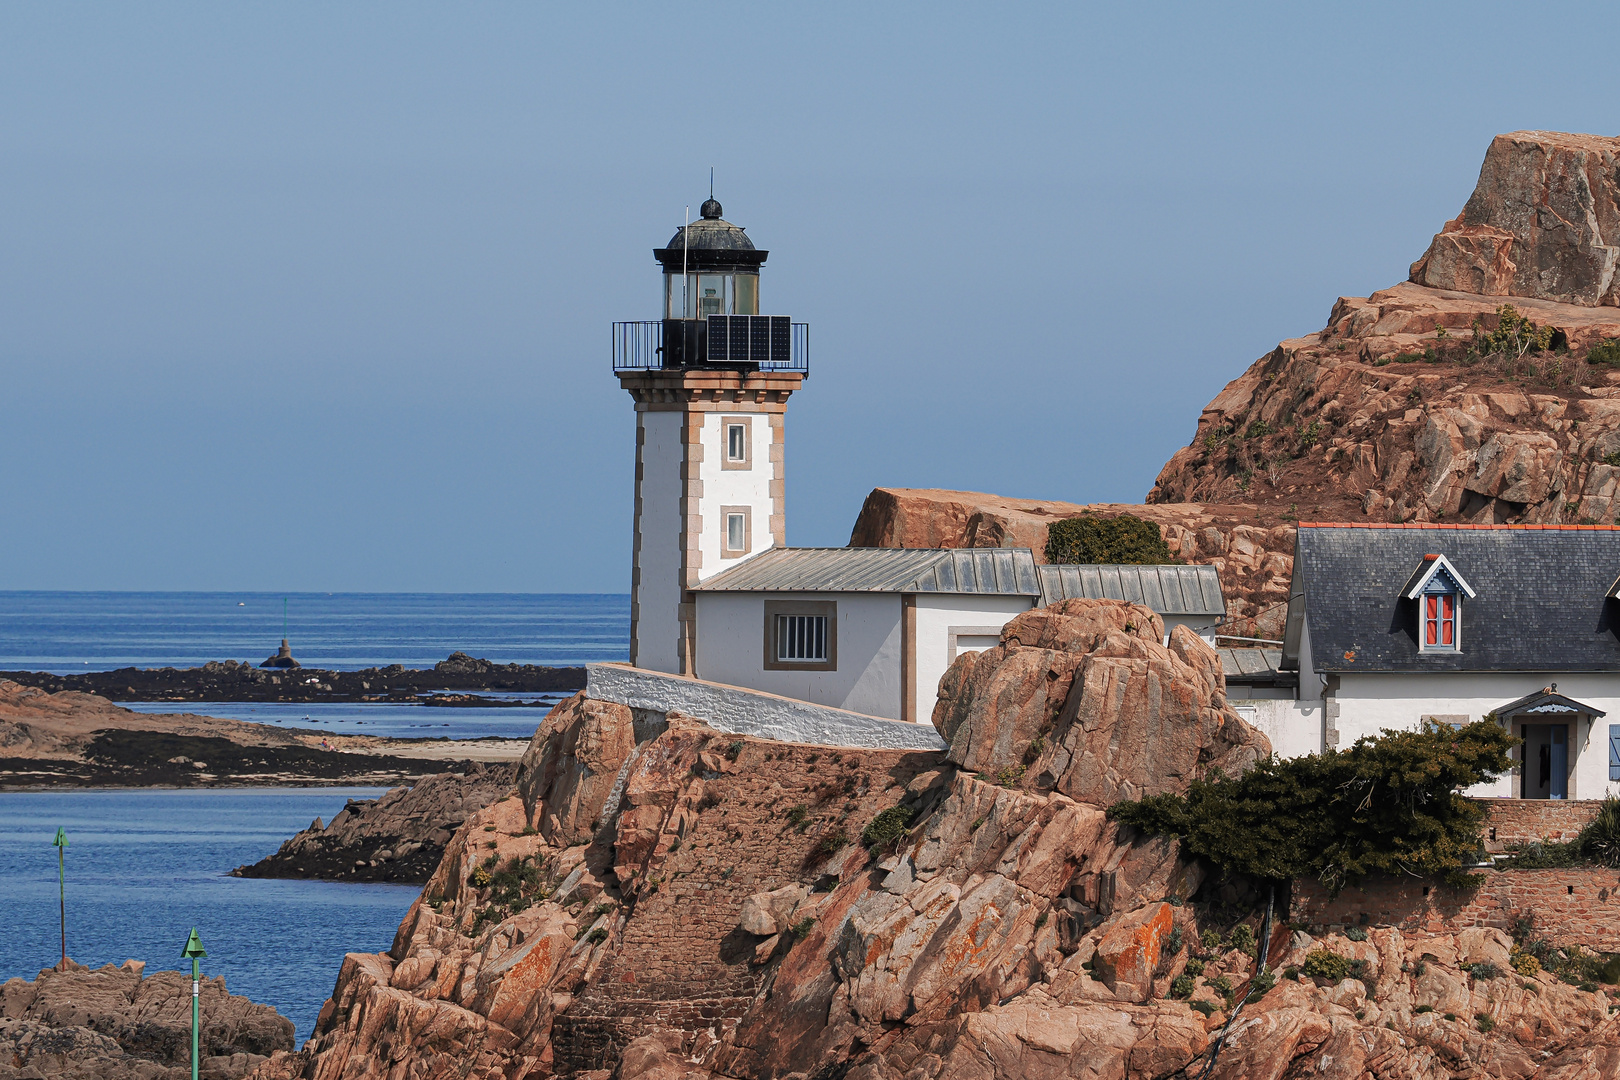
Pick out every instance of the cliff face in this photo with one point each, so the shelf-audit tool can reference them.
(678, 904)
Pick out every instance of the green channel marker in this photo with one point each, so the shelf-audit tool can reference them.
(195, 951)
(60, 843)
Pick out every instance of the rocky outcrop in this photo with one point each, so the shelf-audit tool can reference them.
(573, 765)
(115, 1024)
(398, 838)
(1543, 222)
(1405, 407)
(1093, 705)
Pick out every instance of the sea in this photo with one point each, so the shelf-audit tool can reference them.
(142, 867)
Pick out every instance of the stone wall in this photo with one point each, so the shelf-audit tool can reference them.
(1571, 906)
(737, 710)
(1519, 821)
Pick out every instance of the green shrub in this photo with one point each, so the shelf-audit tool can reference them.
(1202, 1006)
(1261, 984)
(1606, 353)
(1122, 539)
(1525, 964)
(1257, 430)
(598, 935)
(1356, 933)
(831, 842)
(1309, 435)
(1599, 842)
(1424, 1009)
(802, 928)
(1174, 941)
(1182, 986)
(799, 817)
(1195, 967)
(1290, 973)
(1243, 939)
(1451, 1016)
(1222, 985)
(1485, 970)
(1322, 964)
(1388, 804)
(887, 827)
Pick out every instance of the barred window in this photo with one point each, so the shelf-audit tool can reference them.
(801, 639)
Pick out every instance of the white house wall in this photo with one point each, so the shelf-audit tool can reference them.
(1372, 702)
(936, 614)
(750, 487)
(658, 541)
(731, 649)
(1294, 727)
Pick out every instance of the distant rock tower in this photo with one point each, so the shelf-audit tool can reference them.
(710, 380)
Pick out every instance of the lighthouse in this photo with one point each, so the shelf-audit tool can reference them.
(710, 381)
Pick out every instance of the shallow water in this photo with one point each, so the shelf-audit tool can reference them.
(144, 867)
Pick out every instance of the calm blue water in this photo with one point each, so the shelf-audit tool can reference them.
(143, 867)
(88, 631)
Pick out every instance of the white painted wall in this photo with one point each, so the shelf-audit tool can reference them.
(731, 649)
(658, 583)
(749, 487)
(936, 614)
(1372, 702)
(1294, 727)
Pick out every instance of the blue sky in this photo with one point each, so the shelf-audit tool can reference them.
(316, 296)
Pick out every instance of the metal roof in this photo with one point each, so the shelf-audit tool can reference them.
(1168, 590)
(1239, 662)
(1001, 571)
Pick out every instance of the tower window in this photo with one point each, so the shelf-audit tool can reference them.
(736, 531)
(736, 442)
(801, 635)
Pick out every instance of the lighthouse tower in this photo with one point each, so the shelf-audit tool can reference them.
(710, 381)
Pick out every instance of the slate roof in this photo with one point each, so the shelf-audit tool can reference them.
(1000, 571)
(1168, 590)
(1541, 600)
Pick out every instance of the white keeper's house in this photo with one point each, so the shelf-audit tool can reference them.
(1394, 626)
(715, 593)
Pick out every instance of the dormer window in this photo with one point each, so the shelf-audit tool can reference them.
(1439, 591)
(1440, 620)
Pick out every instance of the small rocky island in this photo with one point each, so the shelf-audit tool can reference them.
(451, 681)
